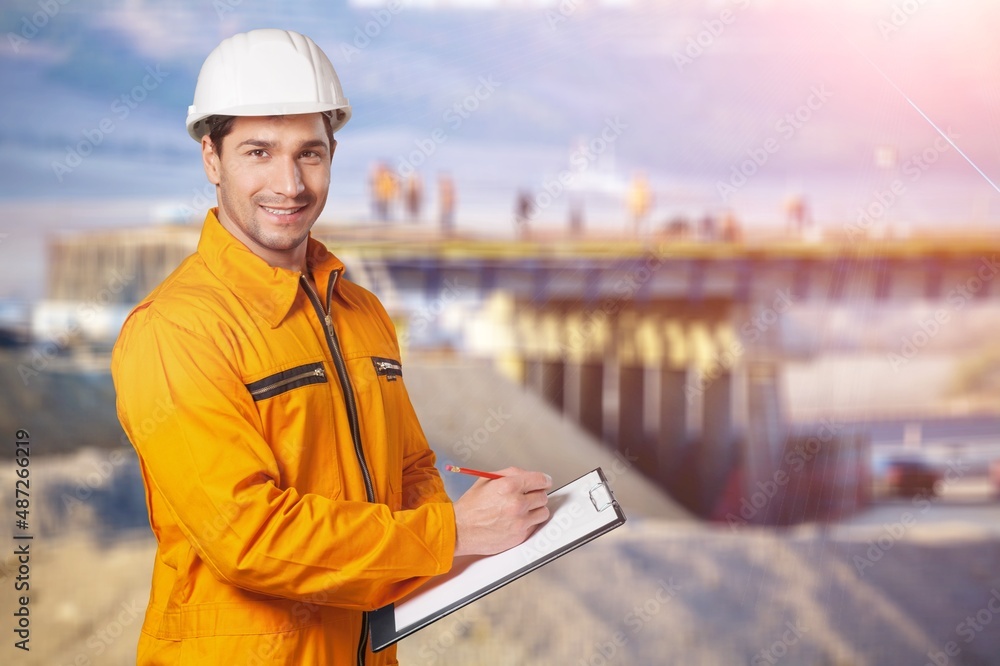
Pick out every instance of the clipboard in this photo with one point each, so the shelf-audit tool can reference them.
(580, 511)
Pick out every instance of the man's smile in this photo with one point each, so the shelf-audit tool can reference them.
(282, 211)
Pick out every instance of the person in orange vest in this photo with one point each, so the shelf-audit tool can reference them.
(289, 484)
(384, 189)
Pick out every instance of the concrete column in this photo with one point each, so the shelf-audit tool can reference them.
(672, 361)
(590, 402)
(552, 371)
(672, 434)
(585, 346)
(631, 396)
(630, 334)
(538, 338)
(551, 381)
(717, 437)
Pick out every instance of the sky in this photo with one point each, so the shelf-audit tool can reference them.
(833, 102)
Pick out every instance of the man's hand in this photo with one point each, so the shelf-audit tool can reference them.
(497, 514)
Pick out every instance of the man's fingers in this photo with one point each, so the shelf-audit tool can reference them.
(539, 515)
(532, 481)
(536, 499)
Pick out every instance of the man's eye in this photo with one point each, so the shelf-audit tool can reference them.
(259, 152)
(310, 154)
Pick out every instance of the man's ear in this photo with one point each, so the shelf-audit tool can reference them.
(210, 159)
(333, 148)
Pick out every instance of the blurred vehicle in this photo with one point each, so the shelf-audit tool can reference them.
(908, 477)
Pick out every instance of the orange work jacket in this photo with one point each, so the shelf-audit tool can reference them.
(289, 484)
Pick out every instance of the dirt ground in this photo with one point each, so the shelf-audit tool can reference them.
(649, 593)
(896, 585)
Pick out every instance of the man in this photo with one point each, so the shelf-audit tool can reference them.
(289, 485)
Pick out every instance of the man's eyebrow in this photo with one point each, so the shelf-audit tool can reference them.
(314, 143)
(259, 143)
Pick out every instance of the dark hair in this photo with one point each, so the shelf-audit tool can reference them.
(221, 126)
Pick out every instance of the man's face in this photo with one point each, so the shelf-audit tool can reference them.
(273, 176)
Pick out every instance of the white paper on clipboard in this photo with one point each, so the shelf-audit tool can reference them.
(580, 511)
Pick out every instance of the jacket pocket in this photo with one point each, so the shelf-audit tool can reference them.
(286, 380)
(389, 368)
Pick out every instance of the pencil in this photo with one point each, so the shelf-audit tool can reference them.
(474, 472)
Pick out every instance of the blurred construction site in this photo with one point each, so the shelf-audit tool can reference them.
(739, 255)
(704, 375)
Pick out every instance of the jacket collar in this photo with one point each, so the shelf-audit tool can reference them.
(268, 291)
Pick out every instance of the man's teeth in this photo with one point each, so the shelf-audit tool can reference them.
(282, 211)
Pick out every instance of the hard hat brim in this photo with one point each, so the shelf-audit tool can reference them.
(197, 128)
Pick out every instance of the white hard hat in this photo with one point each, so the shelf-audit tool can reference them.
(266, 73)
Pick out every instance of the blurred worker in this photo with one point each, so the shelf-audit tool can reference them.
(797, 215)
(446, 202)
(384, 188)
(640, 201)
(290, 487)
(707, 230)
(731, 230)
(524, 208)
(576, 216)
(413, 193)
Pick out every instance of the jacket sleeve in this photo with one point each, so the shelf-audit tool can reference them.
(190, 418)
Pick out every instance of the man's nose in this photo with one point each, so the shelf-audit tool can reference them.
(288, 178)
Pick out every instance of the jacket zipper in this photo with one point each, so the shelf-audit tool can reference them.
(318, 372)
(352, 410)
(388, 365)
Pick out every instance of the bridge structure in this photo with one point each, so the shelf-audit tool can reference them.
(667, 349)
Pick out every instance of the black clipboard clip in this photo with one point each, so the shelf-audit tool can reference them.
(605, 499)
